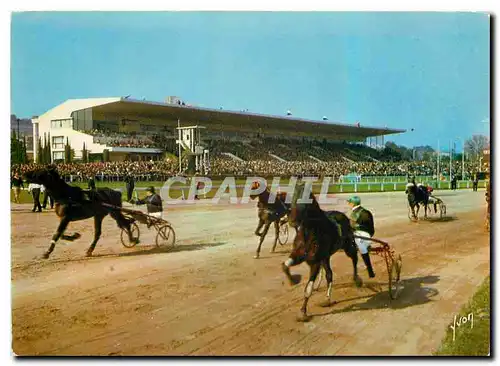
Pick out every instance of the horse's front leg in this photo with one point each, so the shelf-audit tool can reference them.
(97, 234)
(285, 267)
(261, 239)
(276, 235)
(425, 211)
(63, 224)
(329, 280)
(418, 210)
(308, 292)
(259, 226)
(412, 207)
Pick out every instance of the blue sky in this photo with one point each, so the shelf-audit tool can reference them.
(427, 71)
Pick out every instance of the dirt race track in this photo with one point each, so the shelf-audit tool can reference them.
(210, 297)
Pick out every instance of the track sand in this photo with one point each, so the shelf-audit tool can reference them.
(210, 297)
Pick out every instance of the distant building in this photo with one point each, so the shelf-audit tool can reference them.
(173, 100)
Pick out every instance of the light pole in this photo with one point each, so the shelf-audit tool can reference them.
(179, 137)
(463, 156)
(450, 156)
(438, 162)
(18, 152)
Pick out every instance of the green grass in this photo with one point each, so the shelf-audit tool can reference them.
(469, 341)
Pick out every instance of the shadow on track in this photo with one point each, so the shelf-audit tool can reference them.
(175, 249)
(145, 250)
(414, 292)
(433, 220)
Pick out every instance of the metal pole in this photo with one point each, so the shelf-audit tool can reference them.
(179, 136)
(463, 160)
(438, 162)
(18, 153)
(451, 156)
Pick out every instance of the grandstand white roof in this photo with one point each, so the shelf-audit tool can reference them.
(210, 117)
(65, 109)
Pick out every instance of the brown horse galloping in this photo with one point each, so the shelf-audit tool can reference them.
(320, 235)
(268, 213)
(74, 204)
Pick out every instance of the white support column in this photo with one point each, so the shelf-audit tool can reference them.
(35, 124)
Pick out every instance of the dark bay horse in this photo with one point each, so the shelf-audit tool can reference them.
(268, 213)
(320, 235)
(417, 195)
(74, 204)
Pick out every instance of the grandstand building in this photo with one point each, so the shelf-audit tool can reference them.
(132, 130)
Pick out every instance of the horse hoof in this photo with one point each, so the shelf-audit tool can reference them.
(303, 318)
(88, 254)
(45, 255)
(358, 281)
(295, 279)
(256, 256)
(326, 303)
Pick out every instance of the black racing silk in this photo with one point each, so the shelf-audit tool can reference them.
(362, 220)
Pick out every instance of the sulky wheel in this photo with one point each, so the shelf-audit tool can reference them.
(135, 236)
(395, 277)
(165, 236)
(283, 233)
(442, 210)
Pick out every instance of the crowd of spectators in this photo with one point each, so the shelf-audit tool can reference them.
(223, 166)
(112, 171)
(136, 140)
(298, 150)
(300, 157)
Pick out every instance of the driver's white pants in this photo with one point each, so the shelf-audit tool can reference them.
(362, 244)
(156, 214)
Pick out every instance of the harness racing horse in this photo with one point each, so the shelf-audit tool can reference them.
(74, 204)
(320, 235)
(268, 213)
(417, 195)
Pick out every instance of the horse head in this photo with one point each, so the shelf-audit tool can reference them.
(48, 177)
(301, 211)
(410, 188)
(263, 196)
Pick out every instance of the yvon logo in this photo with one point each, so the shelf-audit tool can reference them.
(462, 320)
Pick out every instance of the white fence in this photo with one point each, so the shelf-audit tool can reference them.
(352, 187)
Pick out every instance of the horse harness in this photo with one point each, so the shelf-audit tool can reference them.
(308, 252)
